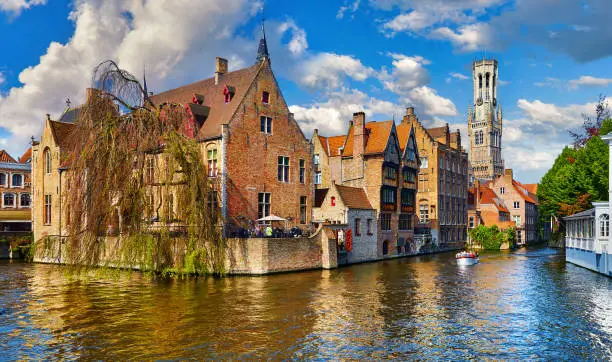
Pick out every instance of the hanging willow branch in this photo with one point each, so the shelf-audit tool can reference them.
(121, 211)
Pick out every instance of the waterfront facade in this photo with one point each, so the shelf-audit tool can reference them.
(371, 157)
(587, 237)
(258, 159)
(523, 205)
(486, 208)
(485, 122)
(442, 182)
(15, 190)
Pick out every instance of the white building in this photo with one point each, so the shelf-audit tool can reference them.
(587, 239)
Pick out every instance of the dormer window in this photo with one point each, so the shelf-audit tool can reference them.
(228, 93)
(265, 97)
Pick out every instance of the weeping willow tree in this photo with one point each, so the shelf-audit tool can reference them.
(137, 193)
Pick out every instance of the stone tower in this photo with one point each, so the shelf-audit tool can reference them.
(485, 122)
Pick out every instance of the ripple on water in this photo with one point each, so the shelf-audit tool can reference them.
(526, 304)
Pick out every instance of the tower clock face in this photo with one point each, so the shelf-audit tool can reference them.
(479, 101)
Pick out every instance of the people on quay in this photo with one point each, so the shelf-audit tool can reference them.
(269, 231)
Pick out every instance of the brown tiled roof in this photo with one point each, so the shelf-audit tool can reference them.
(62, 133)
(26, 156)
(319, 197)
(335, 143)
(354, 197)
(5, 157)
(377, 136)
(522, 190)
(403, 132)
(220, 112)
(487, 196)
(437, 132)
(532, 188)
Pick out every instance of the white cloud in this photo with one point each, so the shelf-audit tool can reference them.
(458, 76)
(589, 81)
(412, 21)
(351, 8)
(546, 113)
(467, 38)
(176, 46)
(407, 73)
(328, 70)
(298, 43)
(331, 117)
(2, 78)
(16, 6)
(431, 103)
(504, 82)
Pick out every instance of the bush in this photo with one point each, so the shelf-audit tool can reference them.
(491, 238)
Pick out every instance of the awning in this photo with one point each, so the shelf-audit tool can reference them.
(272, 218)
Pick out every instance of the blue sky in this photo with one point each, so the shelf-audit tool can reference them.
(332, 58)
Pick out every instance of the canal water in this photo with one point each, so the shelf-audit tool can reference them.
(527, 304)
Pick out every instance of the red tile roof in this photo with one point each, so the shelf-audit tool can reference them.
(487, 196)
(377, 136)
(403, 132)
(532, 188)
(5, 157)
(354, 197)
(525, 194)
(437, 132)
(26, 156)
(220, 112)
(332, 144)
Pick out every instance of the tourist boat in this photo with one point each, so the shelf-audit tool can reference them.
(466, 258)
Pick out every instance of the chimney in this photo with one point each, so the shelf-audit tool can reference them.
(220, 68)
(508, 172)
(409, 116)
(359, 140)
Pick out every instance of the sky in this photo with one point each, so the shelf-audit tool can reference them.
(331, 58)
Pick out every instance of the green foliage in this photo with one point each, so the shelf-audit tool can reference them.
(491, 238)
(578, 177)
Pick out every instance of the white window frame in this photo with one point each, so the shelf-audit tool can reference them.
(19, 197)
(267, 125)
(6, 179)
(317, 178)
(14, 200)
(22, 180)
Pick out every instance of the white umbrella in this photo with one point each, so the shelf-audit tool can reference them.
(272, 218)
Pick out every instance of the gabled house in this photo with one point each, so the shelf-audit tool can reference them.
(442, 182)
(370, 157)
(486, 208)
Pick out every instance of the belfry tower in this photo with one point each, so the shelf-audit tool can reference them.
(485, 122)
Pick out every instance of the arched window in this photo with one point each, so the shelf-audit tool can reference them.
(480, 81)
(8, 200)
(47, 160)
(604, 225)
(488, 76)
(24, 200)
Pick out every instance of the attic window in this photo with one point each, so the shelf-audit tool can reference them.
(265, 97)
(333, 201)
(228, 93)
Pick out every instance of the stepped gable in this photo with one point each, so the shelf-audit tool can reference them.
(27, 156)
(5, 157)
(354, 197)
(376, 138)
(212, 95)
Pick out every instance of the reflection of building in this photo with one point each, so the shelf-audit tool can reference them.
(442, 181)
(15, 213)
(485, 122)
(372, 157)
(587, 238)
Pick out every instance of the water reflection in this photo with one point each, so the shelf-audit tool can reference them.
(521, 305)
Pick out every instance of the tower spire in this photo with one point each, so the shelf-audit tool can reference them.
(262, 50)
(144, 84)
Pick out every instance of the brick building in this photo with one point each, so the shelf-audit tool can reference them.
(486, 208)
(373, 157)
(257, 155)
(15, 213)
(442, 182)
(522, 203)
(48, 174)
